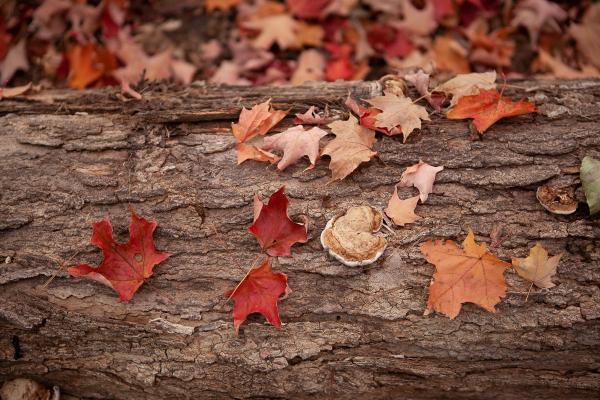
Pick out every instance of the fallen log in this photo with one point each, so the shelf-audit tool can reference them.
(71, 157)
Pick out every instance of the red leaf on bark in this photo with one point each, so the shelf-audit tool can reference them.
(487, 107)
(258, 292)
(125, 266)
(274, 230)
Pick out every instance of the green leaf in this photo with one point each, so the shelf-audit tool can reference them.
(590, 178)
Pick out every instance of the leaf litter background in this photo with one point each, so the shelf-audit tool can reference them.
(92, 44)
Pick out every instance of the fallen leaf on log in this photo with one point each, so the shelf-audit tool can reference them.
(470, 274)
(259, 292)
(125, 266)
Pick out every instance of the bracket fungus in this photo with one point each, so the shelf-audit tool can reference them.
(351, 237)
(557, 200)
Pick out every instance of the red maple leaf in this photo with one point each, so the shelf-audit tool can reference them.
(307, 8)
(487, 107)
(125, 266)
(274, 230)
(258, 292)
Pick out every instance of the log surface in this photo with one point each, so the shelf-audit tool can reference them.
(68, 158)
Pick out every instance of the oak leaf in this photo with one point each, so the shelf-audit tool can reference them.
(295, 143)
(467, 84)
(257, 121)
(487, 107)
(398, 111)
(351, 147)
(402, 212)
(125, 266)
(273, 228)
(470, 274)
(537, 268)
(259, 292)
(251, 152)
(421, 176)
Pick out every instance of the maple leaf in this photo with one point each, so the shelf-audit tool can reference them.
(125, 266)
(537, 14)
(586, 34)
(467, 84)
(259, 292)
(250, 152)
(402, 211)
(274, 230)
(14, 91)
(15, 60)
(256, 121)
(281, 29)
(307, 8)
(537, 268)
(310, 117)
(487, 107)
(420, 22)
(398, 111)
(450, 55)
(421, 176)
(212, 5)
(351, 147)
(420, 80)
(311, 67)
(470, 274)
(295, 143)
(88, 63)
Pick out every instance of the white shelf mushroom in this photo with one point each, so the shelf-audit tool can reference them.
(351, 237)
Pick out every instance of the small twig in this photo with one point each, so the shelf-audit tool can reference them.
(529, 291)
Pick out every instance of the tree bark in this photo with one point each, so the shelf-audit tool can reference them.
(71, 157)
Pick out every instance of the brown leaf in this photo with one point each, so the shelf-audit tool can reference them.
(421, 176)
(587, 33)
(257, 121)
(537, 267)
(351, 147)
(470, 274)
(402, 211)
(281, 29)
(295, 143)
(467, 84)
(398, 111)
(251, 152)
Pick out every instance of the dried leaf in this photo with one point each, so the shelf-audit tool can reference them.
(310, 117)
(88, 63)
(450, 55)
(351, 147)
(295, 143)
(398, 111)
(421, 176)
(257, 121)
(274, 230)
(420, 22)
(14, 91)
(311, 67)
(537, 14)
(125, 266)
(307, 8)
(251, 152)
(281, 29)
(487, 107)
(420, 80)
(15, 60)
(470, 274)
(590, 179)
(402, 212)
(537, 267)
(467, 85)
(587, 33)
(259, 292)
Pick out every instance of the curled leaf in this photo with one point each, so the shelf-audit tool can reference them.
(590, 179)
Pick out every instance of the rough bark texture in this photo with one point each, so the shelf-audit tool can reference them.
(68, 158)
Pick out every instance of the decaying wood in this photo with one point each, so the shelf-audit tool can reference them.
(68, 158)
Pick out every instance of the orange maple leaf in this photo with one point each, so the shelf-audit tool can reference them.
(257, 121)
(470, 274)
(487, 107)
(88, 63)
